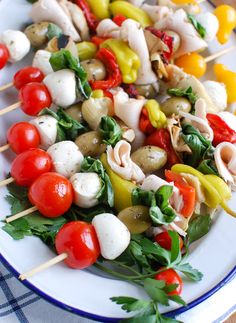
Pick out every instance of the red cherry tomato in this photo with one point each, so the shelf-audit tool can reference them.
(164, 240)
(27, 75)
(52, 194)
(34, 97)
(29, 165)
(79, 240)
(4, 55)
(170, 276)
(22, 136)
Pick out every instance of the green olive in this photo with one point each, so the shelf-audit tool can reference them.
(95, 69)
(146, 90)
(37, 34)
(149, 158)
(176, 39)
(174, 105)
(74, 112)
(136, 218)
(90, 144)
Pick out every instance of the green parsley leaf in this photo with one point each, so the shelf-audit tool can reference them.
(199, 28)
(187, 93)
(18, 229)
(177, 299)
(154, 289)
(110, 130)
(130, 304)
(199, 225)
(189, 271)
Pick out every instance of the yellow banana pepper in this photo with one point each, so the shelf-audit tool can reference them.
(97, 94)
(100, 8)
(130, 11)
(86, 50)
(121, 187)
(127, 59)
(155, 115)
(216, 191)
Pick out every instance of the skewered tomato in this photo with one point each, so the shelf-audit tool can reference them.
(192, 63)
(170, 276)
(22, 136)
(4, 55)
(52, 194)
(164, 240)
(29, 165)
(79, 240)
(27, 75)
(34, 98)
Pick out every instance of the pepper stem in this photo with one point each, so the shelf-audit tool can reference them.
(227, 209)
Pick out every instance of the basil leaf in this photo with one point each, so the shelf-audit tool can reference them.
(208, 166)
(175, 247)
(141, 197)
(187, 93)
(63, 59)
(199, 28)
(106, 194)
(110, 130)
(199, 225)
(53, 31)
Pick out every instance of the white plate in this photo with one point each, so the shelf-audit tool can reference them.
(85, 292)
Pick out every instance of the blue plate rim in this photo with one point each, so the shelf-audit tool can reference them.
(95, 317)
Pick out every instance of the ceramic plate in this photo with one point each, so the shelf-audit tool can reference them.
(86, 292)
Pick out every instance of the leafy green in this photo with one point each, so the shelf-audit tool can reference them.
(110, 130)
(106, 194)
(63, 59)
(201, 147)
(77, 213)
(208, 166)
(67, 127)
(199, 225)
(199, 28)
(53, 31)
(160, 210)
(189, 271)
(187, 93)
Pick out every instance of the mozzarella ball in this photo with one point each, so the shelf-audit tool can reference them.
(217, 93)
(62, 87)
(113, 235)
(47, 128)
(86, 187)
(17, 44)
(210, 23)
(66, 158)
(41, 61)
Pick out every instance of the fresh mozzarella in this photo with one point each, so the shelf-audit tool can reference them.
(41, 61)
(62, 87)
(210, 23)
(17, 44)
(86, 188)
(229, 119)
(113, 235)
(47, 128)
(66, 158)
(108, 28)
(217, 93)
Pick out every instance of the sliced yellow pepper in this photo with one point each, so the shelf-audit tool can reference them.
(155, 115)
(100, 8)
(127, 59)
(130, 11)
(86, 50)
(121, 187)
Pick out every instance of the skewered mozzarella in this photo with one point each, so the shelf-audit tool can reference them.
(62, 87)
(113, 235)
(66, 158)
(17, 44)
(210, 23)
(41, 61)
(47, 128)
(217, 93)
(86, 188)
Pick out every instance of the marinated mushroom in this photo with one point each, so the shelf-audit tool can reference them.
(174, 105)
(149, 158)
(90, 144)
(37, 33)
(63, 41)
(95, 69)
(136, 218)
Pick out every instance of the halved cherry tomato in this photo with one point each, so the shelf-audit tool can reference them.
(188, 192)
(79, 240)
(34, 97)
(4, 55)
(170, 276)
(164, 240)
(29, 165)
(22, 136)
(27, 75)
(52, 193)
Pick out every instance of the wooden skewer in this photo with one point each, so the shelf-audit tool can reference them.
(6, 181)
(3, 148)
(6, 86)
(220, 53)
(10, 108)
(44, 266)
(21, 214)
